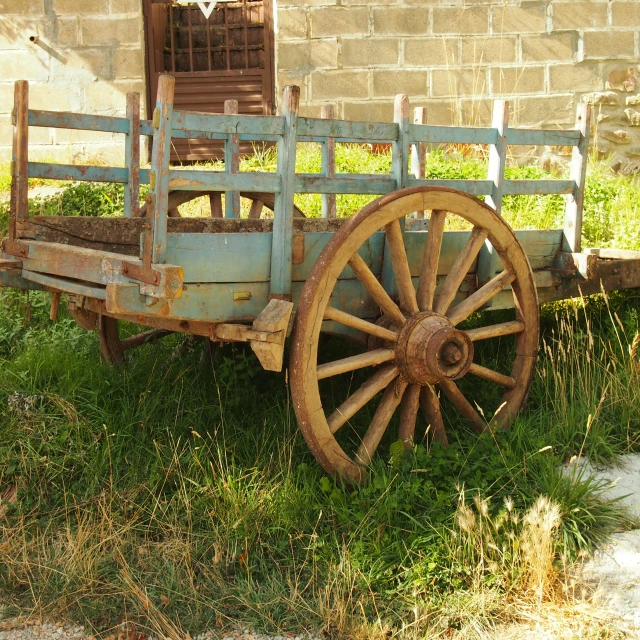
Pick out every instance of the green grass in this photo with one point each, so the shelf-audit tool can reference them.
(176, 491)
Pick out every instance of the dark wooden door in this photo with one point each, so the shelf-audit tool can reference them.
(226, 56)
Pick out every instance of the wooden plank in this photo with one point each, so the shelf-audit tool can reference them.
(67, 286)
(497, 160)
(537, 187)
(202, 180)
(356, 131)
(373, 184)
(328, 164)
(94, 266)
(547, 137)
(437, 134)
(419, 151)
(21, 149)
(241, 124)
(574, 205)
(66, 120)
(160, 164)
(79, 173)
(132, 157)
(281, 254)
(472, 187)
(231, 164)
(13, 280)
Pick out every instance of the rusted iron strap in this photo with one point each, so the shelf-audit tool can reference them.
(13, 248)
(142, 274)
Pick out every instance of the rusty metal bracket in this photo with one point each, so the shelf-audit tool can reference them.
(13, 248)
(145, 273)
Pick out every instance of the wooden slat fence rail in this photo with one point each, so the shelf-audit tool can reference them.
(409, 139)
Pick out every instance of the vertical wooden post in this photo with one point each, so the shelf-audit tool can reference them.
(281, 248)
(497, 159)
(132, 156)
(573, 210)
(19, 208)
(231, 163)
(400, 149)
(328, 164)
(162, 118)
(419, 150)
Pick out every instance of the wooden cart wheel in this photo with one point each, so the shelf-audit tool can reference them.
(421, 349)
(258, 201)
(113, 347)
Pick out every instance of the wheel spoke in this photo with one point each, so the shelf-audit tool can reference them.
(408, 300)
(480, 297)
(366, 392)
(354, 322)
(376, 290)
(492, 376)
(144, 338)
(369, 359)
(408, 414)
(431, 407)
(495, 330)
(389, 403)
(459, 270)
(256, 209)
(430, 260)
(457, 399)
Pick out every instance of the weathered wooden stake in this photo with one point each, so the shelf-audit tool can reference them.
(328, 164)
(573, 210)
(232, 163)
(400, 149)
(162, 118)
(497, 159)
(55, 306)
(419, 150)
(281, 248)
(132, 156)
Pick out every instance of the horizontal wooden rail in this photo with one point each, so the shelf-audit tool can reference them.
(454, 135)
(186, 180)
(62, 284)
(210, 123)
(357, 131)
(81, 173)
(472, 187)
(344, 183)
(552, 138)
(63, 120)
(537, 187)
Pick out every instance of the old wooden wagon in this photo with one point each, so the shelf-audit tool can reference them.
(393, 277)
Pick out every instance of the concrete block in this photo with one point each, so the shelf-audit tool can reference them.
(331, 85)
(387, 84)
(400, 21)
(307, 56)
(467, 20)
(22, 7)
(427, 52)
(608, 98)
(327, 22)
(109, 30)
(365, 52)
(528, 18)
(579, 15)
(472, 112)
(128, 63)
(83, 66)
(292, 23)
(67, 30)
(485, 50)
(561, 46)
(461, 82)
(544, 110)
(293, 77)
(575, 77)
(24, 65)
(625, 14)
(609, 44)
(83, 8)
(506, 81)
(110, 97)
(125, 6)
(369, 111)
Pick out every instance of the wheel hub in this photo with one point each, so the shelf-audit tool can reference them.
(430, 349)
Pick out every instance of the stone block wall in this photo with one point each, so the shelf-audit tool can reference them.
(86, 56)
(456, 56)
